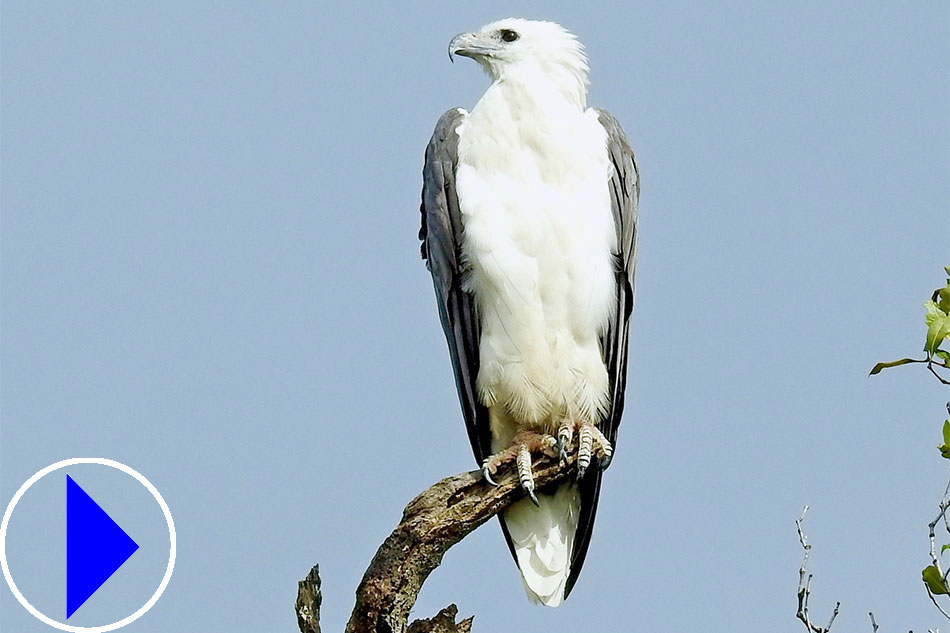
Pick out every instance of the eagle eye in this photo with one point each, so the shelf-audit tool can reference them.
(508, 35)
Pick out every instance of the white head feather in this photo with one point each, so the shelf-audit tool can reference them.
(515, 47)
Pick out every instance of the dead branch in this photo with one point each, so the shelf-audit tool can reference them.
(309, 600)
(437, 519)
(444, 622)
(804, 585)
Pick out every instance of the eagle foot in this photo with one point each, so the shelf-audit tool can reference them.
(565, 435)
(591, 442)
(522, 446)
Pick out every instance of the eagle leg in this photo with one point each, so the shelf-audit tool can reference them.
(524, 443)
(591, 442)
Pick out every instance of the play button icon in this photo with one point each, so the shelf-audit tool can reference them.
(95, 546)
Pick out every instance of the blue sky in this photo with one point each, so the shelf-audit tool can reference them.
(210, 272)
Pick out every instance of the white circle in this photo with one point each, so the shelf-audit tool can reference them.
(101, 461)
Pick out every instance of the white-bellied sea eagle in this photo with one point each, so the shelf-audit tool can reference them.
(529, 228)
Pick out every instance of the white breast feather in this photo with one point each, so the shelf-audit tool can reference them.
(538, 239)
(537, 245)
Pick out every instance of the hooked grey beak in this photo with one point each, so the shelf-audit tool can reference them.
(467, 45)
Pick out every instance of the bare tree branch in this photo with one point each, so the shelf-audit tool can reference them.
(437, 519)
(444, 622)
(804, 584)
(309, 599)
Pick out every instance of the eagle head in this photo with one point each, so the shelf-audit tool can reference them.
(515, 45)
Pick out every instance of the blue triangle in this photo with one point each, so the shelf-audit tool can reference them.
(95, 546)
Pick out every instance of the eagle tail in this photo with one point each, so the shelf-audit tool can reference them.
(543, 542)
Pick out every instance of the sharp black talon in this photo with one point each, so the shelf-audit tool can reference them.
(533, 498)
(605, 462)
(487, 475)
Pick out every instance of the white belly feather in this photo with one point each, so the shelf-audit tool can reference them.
(537, 243)
(539, 233)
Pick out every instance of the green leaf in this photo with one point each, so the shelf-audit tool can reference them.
(944, 355)
(945, 447)
(938, 327)
(942, 297)
(934, 581)
(894, 363)
(944, 549)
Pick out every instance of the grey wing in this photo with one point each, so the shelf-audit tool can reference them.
(624, 196)
(441, 236)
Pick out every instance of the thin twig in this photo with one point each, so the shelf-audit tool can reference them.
(929, 361)
(804, 584)
(930, 366)
(874, 626)
(946, 492)
(933, 599)
(944, 506)
(934, 559)
(942, 515)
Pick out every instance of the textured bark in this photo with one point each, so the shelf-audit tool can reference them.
(444, 622)
(309, 599)
(437, 519)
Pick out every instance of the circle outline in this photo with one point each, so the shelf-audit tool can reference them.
(128, 470)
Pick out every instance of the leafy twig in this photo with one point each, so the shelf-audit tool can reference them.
(938, 332)
(906, 361)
